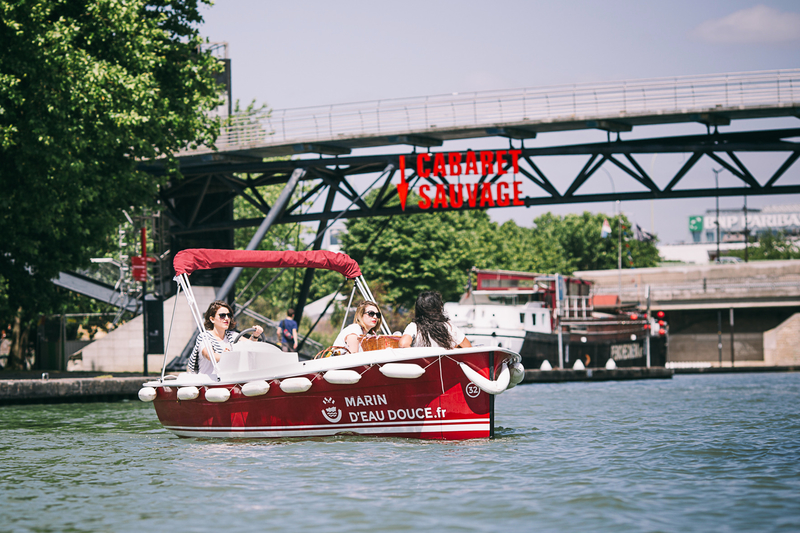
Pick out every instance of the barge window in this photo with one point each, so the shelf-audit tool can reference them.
(522, 318)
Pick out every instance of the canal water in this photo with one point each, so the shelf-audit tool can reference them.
(695, 453)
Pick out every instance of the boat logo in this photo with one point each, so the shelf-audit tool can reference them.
(332, 414)
(472, 390)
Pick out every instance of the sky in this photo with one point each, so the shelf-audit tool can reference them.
(307, 53)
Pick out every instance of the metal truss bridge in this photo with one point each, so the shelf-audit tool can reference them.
(238, 166)
(334, 185)
(200, 206)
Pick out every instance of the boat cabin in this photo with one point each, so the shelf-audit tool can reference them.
(534, 291)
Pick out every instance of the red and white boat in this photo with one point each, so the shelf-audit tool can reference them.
(259, 391)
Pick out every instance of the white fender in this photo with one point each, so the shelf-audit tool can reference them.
(342, 377)
(611, 364)
(218, 395)
(402, 370)
(578, 365)
(517, 374)
(147, 394)
(255, 388)
(292, 385)
(487, 385)
(546, 365)
(188, 393)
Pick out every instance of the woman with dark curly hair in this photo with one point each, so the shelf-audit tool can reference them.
(219, 334)
(431, 327)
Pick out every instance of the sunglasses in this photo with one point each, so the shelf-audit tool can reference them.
(223, 316)
(373, 314)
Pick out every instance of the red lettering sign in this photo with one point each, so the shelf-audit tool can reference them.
(438, 165)
(472, 163)
(423, 172)
(484, 194)
(457, 199)
(502, 197)
(425, 203)
(441, 197)
(487, 167)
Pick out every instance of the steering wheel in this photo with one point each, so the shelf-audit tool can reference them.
(249, 330)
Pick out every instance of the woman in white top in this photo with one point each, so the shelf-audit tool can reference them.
(367, 321)
(219, 334)
(431, 326)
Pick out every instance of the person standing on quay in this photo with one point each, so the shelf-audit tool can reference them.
(288, 333)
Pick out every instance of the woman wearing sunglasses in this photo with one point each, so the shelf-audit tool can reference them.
(367, 321)
(219, 334)
(431, 327)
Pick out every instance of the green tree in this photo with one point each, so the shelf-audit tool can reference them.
(421, 251)
(435, 251)
(88, 88)
(574, 242)
(770, 247)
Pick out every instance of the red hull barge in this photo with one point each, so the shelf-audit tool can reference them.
(442, 403)
(258, 391)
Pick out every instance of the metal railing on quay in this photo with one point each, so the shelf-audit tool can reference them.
(775, 88)
(272, 330)
(703, 286)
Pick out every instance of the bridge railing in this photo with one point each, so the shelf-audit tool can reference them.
(608, 100)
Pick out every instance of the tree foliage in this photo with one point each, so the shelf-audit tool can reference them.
(87, 89)
(419, 252)
(770, 246)
(574, 242)
(435, 251)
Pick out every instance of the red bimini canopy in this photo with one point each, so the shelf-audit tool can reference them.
(187, 261)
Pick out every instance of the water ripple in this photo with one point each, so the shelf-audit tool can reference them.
(695, 453)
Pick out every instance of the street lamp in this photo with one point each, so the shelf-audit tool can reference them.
(746, 229)
(719, 312)
(619, 235)
(716, 182)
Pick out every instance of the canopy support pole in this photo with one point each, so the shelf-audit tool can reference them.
(349, 303)
(227, 286)
(169, 335)
(183, 281)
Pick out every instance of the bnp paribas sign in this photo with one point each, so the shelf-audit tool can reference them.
(695, 223)
(754, 221)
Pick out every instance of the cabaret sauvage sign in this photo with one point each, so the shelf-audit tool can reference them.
(456, 195)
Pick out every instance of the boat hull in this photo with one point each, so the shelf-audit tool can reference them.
(440, 404)
(593, 349)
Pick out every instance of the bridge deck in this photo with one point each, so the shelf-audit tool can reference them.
(519, 114)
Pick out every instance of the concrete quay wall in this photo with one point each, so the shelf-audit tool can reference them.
(66, 390)
(596, 374)
(782, 344)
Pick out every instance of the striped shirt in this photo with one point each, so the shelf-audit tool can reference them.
(205, 365)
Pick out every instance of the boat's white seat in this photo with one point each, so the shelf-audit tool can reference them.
(250, 356)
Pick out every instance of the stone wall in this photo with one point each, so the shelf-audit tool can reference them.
(691, 347)
(782, 344)
(122, 350)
